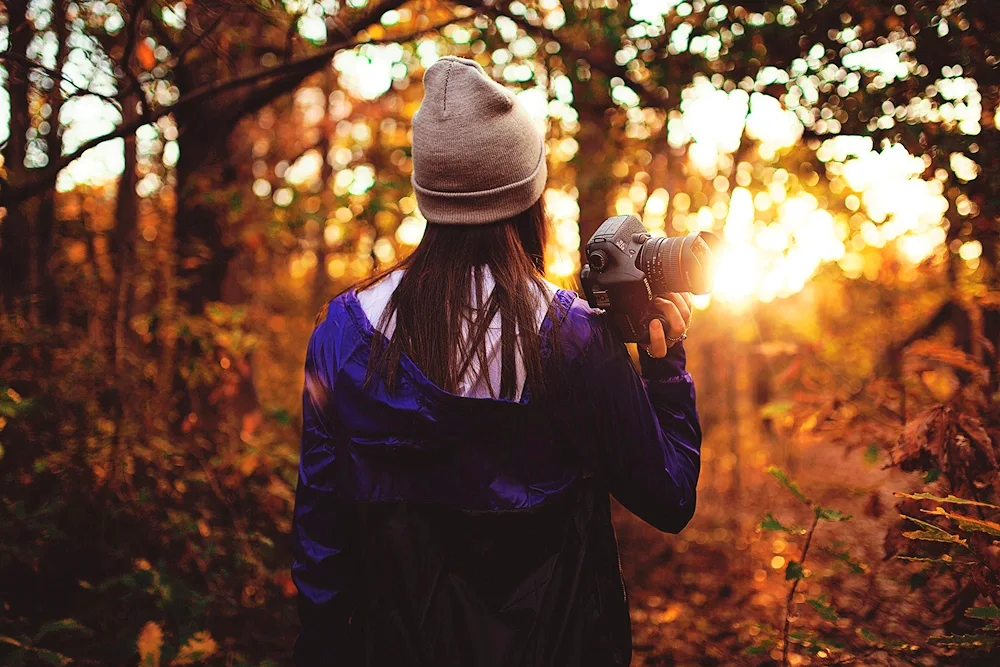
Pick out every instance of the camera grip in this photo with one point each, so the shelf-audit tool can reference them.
(642, 335)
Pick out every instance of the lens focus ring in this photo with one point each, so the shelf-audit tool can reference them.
(660, 260)
(673, 280)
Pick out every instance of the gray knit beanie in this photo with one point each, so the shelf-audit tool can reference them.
(477, 154)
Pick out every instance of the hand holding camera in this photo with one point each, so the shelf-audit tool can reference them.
(675, 308)
(645, 282)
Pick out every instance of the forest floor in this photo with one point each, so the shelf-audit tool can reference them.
(705, 596)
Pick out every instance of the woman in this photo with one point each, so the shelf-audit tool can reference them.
(464, 421)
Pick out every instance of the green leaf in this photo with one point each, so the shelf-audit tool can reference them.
(857, 567)
(51, 657)
(794, 571)
(825, 611)
(968, 523)
(985, 613)
(827, 514)
(772, 524)
(871, 455)
(792, 487)
(813, 640)
(763, 647)
(872, 638)
(282, 416)
(979, 642)
(65, 625)
(776, 408)
(868, 635)
(931, 533)
(947, 499)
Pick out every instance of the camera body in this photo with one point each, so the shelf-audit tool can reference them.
(627, 268)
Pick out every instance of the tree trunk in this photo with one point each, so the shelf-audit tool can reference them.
(123, 258)
(44, 286)
(203, 167)
(15, 232)
(595, 156)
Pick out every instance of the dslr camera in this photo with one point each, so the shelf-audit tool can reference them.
(627, 268)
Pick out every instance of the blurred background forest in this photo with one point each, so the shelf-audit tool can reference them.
(184, 184)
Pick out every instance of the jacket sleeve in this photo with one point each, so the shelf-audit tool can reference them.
(321, 567)
(643, 432)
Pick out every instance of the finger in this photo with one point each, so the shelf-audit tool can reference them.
(675, 323)
(682, 307)
(657, 342)
(689, 300)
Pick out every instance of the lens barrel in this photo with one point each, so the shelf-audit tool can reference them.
(678, 263)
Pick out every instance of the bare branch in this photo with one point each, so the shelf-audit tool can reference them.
(83, 92)
(201, 36)
(131, 38)
(790, 600)
(277, 79)
(653, 98)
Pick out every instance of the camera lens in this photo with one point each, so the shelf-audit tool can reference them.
(678, 263)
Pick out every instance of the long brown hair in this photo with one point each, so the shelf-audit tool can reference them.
(432, 302)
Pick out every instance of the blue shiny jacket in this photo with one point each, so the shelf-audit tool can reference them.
(435, 529)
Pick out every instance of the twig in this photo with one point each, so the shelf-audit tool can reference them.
(940, 317)
(132, 35)
(852, 659)
(795, 584)
(389, 39)
(651, 98)
(107, 99)
(201, 36)
(300, 67)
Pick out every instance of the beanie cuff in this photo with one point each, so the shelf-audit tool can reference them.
(482, 206)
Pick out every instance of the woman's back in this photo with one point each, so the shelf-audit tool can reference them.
(463, 424)
(478, 381)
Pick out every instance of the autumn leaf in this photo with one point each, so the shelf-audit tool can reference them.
(990, 300)
(945, 354)
(931, 533)
(925, 435)
(968, 523)
(150, 643)
(980, 642)
(944, 560)
(285, 582)
(973, 428)
(196, 649)
(144, 54)
(946, 499)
